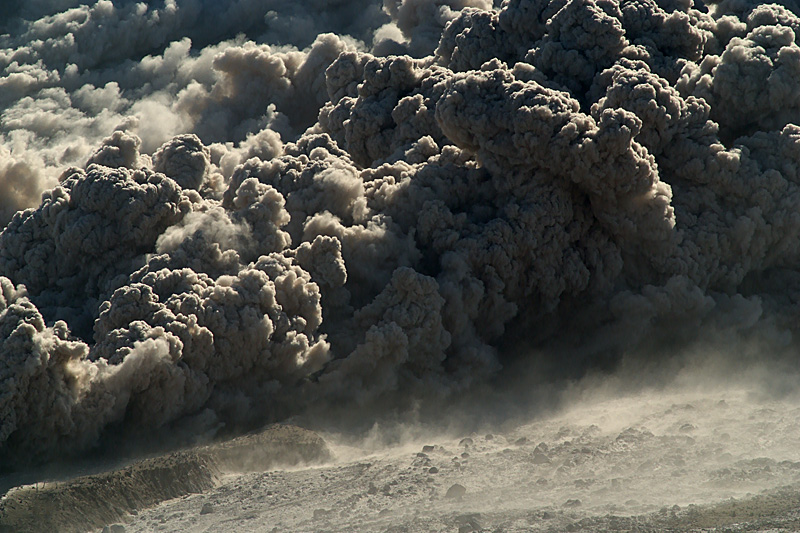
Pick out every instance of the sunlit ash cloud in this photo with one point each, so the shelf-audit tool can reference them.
(220, 217)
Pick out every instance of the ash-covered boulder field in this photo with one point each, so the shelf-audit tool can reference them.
(208, 230)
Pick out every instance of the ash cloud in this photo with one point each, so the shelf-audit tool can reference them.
(235, 217)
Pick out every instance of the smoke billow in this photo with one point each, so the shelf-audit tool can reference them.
(244, 216)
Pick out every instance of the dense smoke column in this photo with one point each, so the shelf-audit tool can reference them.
(259, 229)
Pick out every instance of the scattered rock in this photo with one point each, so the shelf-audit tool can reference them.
(427, 448)
(632, 435)
(433, 470)
(320, 514)
(489, 436)
(687, 428)
(423, 455)
(541, 448)
(384, 512)
(468, 522)
(647, 466)
(464, 455)
(207, 509)
(572, 503)
(372, 488)
(540, 459)
(456, 491)
(465, 442)
(116, 528)
(520, 441)
(547, 515)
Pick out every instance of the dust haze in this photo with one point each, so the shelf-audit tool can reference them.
(445, 213)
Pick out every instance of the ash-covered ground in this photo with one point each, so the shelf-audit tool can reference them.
(723, 459)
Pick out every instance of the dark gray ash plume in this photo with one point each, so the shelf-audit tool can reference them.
(232, 229)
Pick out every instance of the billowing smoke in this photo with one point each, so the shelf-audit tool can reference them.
(244, 216)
